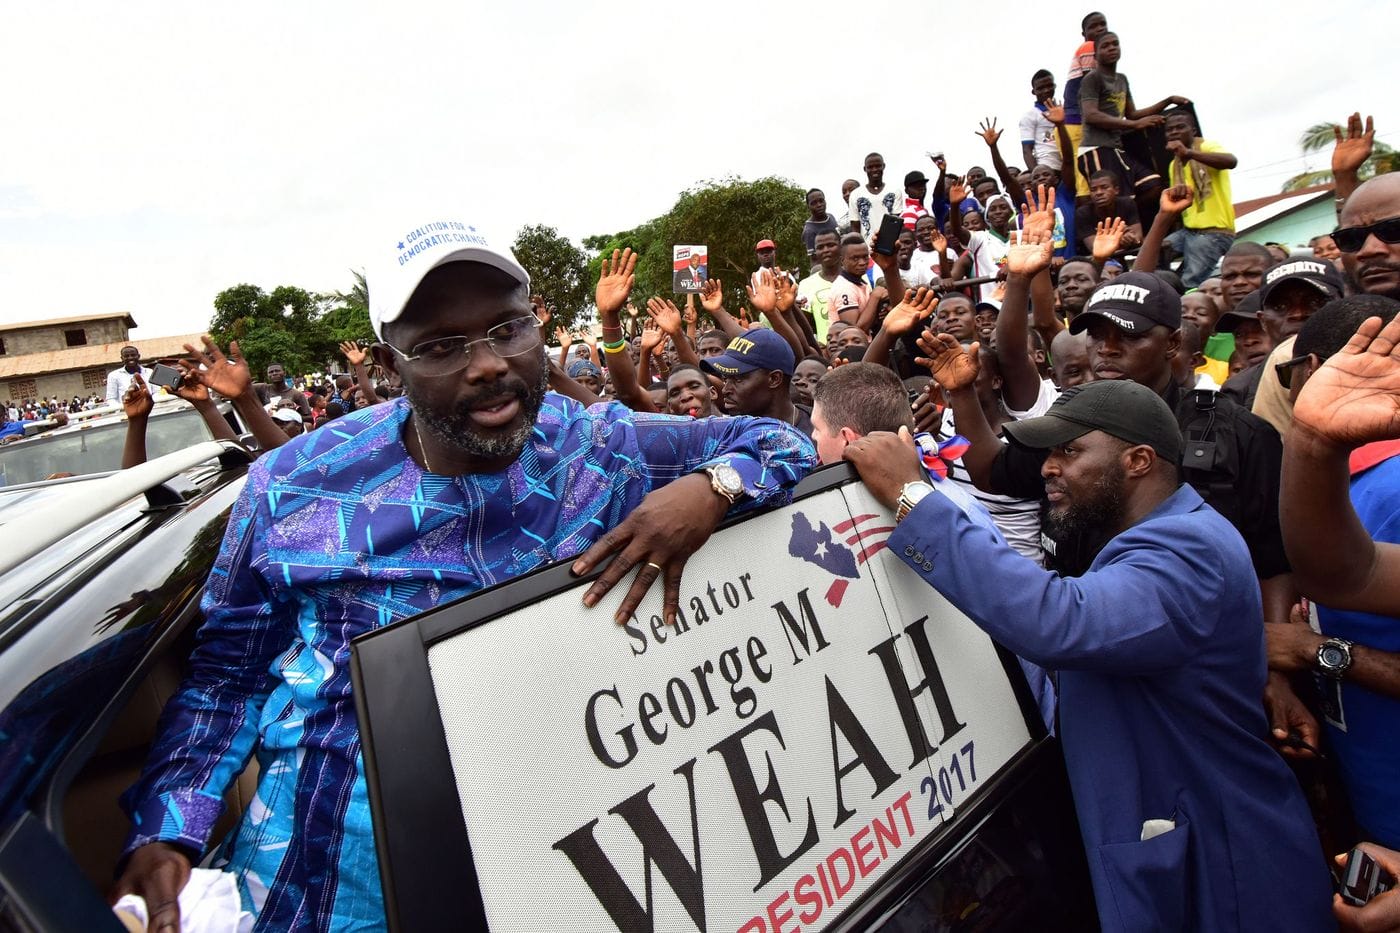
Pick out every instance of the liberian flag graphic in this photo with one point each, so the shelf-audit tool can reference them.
(840, 549)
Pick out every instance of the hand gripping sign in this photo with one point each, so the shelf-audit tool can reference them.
(817, 716)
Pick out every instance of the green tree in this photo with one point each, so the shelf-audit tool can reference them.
(728, 217)
(289, 325)
(558, 271)
(1321, 137)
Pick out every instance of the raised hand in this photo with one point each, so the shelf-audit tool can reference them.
(764, 298)
(542, 313)
(1031, 254)
(666, 315)
(137, 401)
(787, 293)
(690, 315)
(652, 336)
(1055, 112)
(947, 362)
(353, 353)
(914, 309)
(957, 193)
(227, 375)
(712, 295)
(1108, 238)
(1177, 199)
(744, 320)
(615, 281)
(590, 339)
(564, 338)
(1039, 212)
(1355, 147)
(1354, 398)
(190, 389)
(939, 243)
(989, 132)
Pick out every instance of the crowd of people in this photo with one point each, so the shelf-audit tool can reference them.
(1171, 460)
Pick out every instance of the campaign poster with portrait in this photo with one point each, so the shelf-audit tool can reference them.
(689, 268)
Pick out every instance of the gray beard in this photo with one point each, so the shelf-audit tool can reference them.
(456, 429)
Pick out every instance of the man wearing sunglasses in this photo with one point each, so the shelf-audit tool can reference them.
(1369, 236)
(477, 475)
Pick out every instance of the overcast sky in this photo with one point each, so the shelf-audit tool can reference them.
(156, 153)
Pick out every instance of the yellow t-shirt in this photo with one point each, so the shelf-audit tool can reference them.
(1212, 207)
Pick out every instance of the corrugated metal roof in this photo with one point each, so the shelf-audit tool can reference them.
(99, 355)
(77, 319)
(1288, 198)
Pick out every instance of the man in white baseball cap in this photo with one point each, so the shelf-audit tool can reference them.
(476, 475)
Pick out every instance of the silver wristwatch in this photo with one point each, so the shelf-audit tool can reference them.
(1334, 657)
(911, 495)
(726, 481)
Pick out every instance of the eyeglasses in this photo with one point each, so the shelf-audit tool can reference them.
(1285, 369)
(443, 356)
(1351, 239)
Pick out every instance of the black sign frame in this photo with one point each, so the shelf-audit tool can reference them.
(414, 803)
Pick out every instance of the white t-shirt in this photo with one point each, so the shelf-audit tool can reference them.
(1039, 131)
(923, 267)
(988, 256)
(869, 207)
(1018, 519)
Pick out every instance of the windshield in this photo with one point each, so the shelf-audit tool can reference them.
(96, 447)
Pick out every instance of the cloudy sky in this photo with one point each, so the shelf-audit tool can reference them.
(156, 153)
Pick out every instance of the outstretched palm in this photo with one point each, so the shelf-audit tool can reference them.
(1353, 149)
(948, 363)
(666, 315)
(712, 295)
(1108, 236)
(352, 352)
(765, 296)
(1030, 255)
(1354, 398)
(914, 309)
(1040, 212)
(615, 281)
(227, 375)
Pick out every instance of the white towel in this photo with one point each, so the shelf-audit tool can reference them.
(208, 904)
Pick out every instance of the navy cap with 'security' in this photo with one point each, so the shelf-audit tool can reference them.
(756, 348)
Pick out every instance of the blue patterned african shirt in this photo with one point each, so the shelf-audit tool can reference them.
(337, 533)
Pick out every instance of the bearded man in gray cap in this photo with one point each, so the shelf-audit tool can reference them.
(1190, 819)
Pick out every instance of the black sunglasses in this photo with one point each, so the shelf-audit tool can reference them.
(1351, 239)
(1285, 369)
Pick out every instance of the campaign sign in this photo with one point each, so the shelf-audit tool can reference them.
(817, 714)
(689, 268)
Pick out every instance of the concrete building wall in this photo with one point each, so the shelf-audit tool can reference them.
(45, 339)
(79, 382)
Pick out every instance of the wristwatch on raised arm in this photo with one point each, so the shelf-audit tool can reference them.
(1334, 657)
(726, 481)
(911, 495)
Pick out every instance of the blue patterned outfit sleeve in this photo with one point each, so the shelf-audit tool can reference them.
(207, 731)
(769, 455)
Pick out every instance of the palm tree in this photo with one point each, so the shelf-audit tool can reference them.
(1321, 136)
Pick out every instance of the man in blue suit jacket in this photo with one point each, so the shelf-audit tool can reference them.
(1190, 819)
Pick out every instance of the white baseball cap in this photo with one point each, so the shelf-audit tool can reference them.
(416, 249)
(287, 414)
